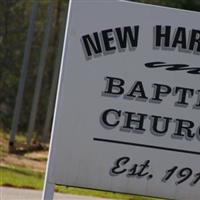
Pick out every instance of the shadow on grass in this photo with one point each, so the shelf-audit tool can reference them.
(22, 171)
(22, 149)
(21, 187)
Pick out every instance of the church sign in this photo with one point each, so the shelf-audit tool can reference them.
(127, 115)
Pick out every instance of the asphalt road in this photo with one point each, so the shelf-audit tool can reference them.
(7, 193)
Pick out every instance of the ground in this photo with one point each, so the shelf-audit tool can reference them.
(34, 158)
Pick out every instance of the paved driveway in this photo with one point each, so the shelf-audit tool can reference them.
(7, 193)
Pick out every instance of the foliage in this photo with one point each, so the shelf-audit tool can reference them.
(14, 19)
(183, 4)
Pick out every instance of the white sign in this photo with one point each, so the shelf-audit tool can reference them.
(127, 115)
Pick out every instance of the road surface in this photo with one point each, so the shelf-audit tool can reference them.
(7, 193)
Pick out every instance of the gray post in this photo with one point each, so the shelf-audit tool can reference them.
(48, 191)
(41, 66)
(50, 108)
(23, 74)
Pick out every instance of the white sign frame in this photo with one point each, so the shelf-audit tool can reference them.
(118, 83)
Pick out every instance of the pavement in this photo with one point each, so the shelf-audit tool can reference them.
(8, 193)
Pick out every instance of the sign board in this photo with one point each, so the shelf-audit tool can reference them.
(127, 115)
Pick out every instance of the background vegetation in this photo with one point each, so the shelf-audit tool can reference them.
(14, 17)
(15, 170)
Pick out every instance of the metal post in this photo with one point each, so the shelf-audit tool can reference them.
(50, 109)
(48, 191)
(40, 71)
(23, 74)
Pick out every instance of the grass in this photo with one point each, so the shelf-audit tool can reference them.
(26, 178)
(20, 177)
(20, 137)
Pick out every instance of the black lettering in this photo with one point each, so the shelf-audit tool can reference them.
(104, 118)
(108, 39)
(180, 38)
(138, 170)
(114, 86)
(198, 133)
(127, 37)
(91, 44)
(138, 89)
(183, 128)
(197, 105)
(143, 167)
(162, 36)
(136, 119)
(195, 41)
(154, 125)
(183, 93)
(119, 166)
(160, 91)
(174, 67)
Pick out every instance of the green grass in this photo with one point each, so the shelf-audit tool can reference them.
(26, 178)
(96, 193)
(20, 137)
(20, 177)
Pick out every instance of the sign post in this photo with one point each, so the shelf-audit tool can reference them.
(127, 109)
